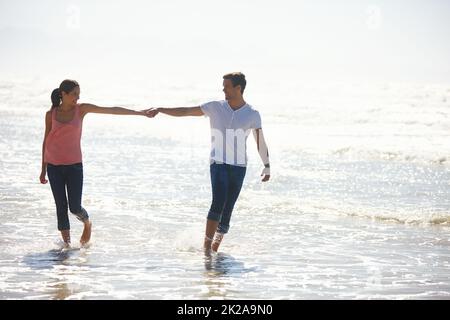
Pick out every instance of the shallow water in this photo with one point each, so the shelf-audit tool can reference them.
(358, 207)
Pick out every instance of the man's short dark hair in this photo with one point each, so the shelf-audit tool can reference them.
(237, 79)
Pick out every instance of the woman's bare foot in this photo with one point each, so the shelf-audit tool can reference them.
(86, 236)
(66, 238)
(218, 237)
(66, 245)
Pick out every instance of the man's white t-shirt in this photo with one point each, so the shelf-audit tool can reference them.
(229, 131)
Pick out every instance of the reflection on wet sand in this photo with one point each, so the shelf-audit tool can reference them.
(60, 262)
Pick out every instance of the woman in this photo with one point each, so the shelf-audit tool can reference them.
(61, 154)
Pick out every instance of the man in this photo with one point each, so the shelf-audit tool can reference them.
(231, 122)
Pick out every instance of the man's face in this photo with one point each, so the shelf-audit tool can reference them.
(230, 91)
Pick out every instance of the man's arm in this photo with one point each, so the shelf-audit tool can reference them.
(176, 112)
(263, 152)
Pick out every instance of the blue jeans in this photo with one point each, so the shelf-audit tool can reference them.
(70, 176)
(226, 183)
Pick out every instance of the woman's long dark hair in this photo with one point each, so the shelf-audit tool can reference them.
(67, 86)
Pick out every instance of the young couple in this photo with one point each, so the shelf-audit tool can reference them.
(231, 122)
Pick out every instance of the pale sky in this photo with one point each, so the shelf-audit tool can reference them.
(392, 40)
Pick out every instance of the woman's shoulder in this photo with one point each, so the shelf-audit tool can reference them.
(82, 108)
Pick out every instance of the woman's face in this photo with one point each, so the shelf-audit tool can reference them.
(72, 97)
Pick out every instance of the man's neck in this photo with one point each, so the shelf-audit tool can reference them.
(237, 103)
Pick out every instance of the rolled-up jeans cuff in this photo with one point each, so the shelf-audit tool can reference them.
(82, 215)
(223, 229)
(214, 216)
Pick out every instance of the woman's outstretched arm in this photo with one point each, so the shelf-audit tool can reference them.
(86, 108)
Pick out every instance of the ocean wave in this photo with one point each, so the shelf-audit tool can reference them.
(405, 216)
(385, 155)
(435, 219)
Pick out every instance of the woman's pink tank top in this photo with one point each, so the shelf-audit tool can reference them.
(62, 145)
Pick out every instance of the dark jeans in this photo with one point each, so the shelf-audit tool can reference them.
(70, 176)
(226, 182)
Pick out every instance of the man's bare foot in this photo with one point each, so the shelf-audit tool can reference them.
(207, 244)
(207, 252)
(86, 236)
(218, 237)
(215, 246)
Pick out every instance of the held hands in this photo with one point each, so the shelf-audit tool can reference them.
(265, 174)
(151, 112)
